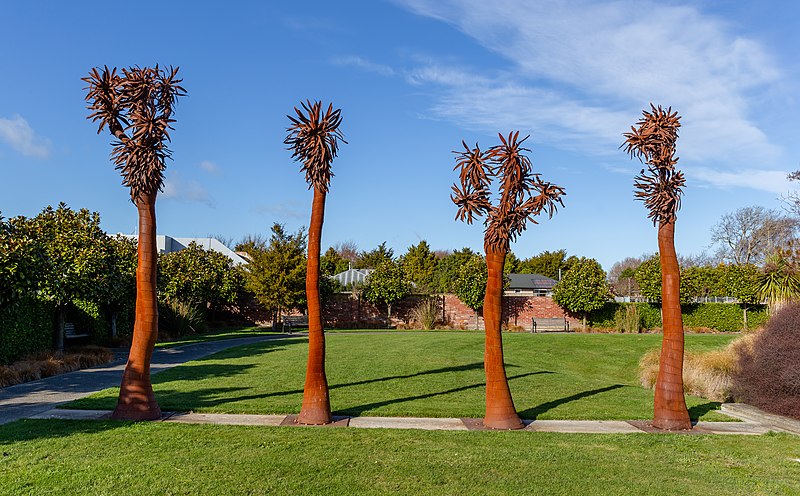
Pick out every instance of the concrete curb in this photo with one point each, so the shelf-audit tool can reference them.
(749, 413)
(449, 424)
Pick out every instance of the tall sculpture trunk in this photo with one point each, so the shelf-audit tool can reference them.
(669, 408)
(316, 407)
(500, 411)
(136, 400)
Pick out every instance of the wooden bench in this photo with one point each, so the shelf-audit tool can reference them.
(550, 324)
(290, 321)
(71, 333)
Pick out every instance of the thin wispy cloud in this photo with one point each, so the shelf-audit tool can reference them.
(177, 188)
(363, 64)
(578, 74)
(773, 181)
(210, 167)
(282, 211)
(20, 136)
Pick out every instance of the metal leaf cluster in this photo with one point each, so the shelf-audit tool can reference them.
(136, 105)
(653, 143)
(522, 193)
(313, 139)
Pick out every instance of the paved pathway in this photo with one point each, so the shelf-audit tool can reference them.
(32, 398)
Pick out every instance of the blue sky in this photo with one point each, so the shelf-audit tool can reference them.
(413, 78)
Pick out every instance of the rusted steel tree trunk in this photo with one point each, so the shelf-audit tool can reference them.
(316, 408)
(136, 400)
(669, 406)
(517, 204)
(659, 186)
(500, 411)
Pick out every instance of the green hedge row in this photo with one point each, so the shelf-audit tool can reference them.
(717, 316)
(26, 326)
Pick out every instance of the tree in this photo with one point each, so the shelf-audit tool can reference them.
(741, 282)
(659, 186)
(447, 270)
(22, 259)
(277, 270)
(513, 264)
(375, 257)
(750, 234)
(203, 278)
(648, 278)
(550, 264)
(470, 287)
(118, 286)
(387, 285)
(137, 106)
(76, 257)
(419, 265)
(523, 195)
(583, 288)
(621, 276)
(779, 281)
(313, 137)
(332, 263)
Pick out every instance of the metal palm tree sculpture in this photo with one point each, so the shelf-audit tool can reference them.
(523, 195)
(136, 106)
(659, 186)
(313, 138)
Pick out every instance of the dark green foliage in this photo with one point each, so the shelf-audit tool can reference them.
(470, 287)
(88, 318)
(548, 263)
(203, 278)
(177, 318)
(513, 263)
(648, 277)
(26, 326)
(277, 271)
(387, 285)
(331, 263)
(373, 258)
(583, 288)
(448, 268)
(22, 257)
(419, 265)
(717, 316)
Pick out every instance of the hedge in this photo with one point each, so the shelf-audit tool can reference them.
(716, 316)
(26, 326)
(87, 316)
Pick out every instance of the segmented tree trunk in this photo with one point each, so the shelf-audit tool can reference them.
(316, 407)
(500, 411)
(136, 400)
(669, 408)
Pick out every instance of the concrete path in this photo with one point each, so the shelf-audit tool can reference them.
(32, 398)
(449, 424)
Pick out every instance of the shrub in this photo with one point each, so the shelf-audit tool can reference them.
(698, 316)
(26, 326)
(86, 316)
(177, 318)
(649, 315)
(707, 374)
(768, 376)
(627, 319)
(425, 313)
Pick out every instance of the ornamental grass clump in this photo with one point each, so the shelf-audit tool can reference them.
(425, 313)
(47, 364)
(707, 374)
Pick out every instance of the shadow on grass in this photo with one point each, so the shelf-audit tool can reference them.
(358, 410)
(32, 429)
(533, 413)
(698, 411)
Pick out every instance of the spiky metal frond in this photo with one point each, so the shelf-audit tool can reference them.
(653, 143)
(313, 139)
(136, 106)
(472, 196)
(518, 200)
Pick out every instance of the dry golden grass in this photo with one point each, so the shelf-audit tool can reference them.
(705, 374)
(46, 364)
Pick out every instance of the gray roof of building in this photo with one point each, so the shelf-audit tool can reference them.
(353, 276)
(530, 281)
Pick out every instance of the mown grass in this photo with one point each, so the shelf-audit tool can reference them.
(88, 458)
(216, 335)
(426, 374)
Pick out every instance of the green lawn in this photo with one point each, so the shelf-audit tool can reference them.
(215, 335)
(552, 376)
(88, 458)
